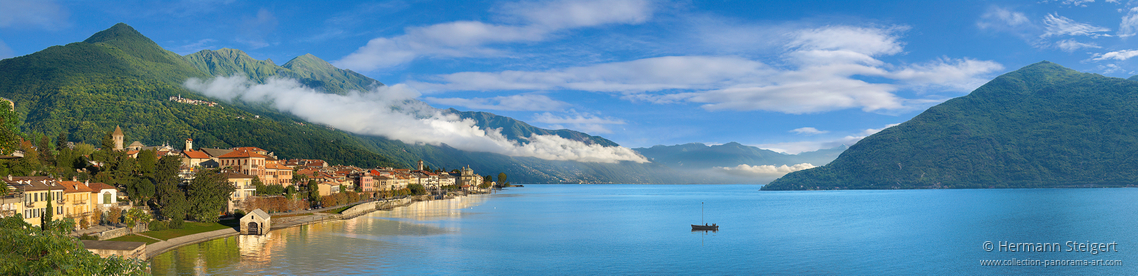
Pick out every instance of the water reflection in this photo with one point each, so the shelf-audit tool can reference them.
(311, 249)
(436, 209)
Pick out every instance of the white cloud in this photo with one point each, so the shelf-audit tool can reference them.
(1080, 3)
(1070, 45)
(1110, 68)
(199, 45)
(389, 111)
(1116, 55)
(588, 123)
(956, 74)
(825, 66)
(805, 146)
(1129, 25)
(472, 38)
(520, 102)
(764, 170)
(5, 51)
(1059, 26)
(650, 74)
(1002, 19)
(32, 13)
(808, 130)
(255, 29)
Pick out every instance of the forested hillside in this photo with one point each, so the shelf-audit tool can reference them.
(1040, 126)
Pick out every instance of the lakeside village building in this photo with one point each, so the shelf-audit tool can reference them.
(28, 195)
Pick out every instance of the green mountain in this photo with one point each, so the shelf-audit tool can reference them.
(1040, 126)
(120, 77)
(308, 69)
(701, 156)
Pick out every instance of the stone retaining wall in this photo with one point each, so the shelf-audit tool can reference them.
(369, 207)
(119, 232)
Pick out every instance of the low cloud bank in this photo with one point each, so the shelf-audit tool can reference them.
(392, 112)
(764, 170)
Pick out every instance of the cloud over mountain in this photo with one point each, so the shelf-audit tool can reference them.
(391, 112)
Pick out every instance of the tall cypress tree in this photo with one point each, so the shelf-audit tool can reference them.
(45, 220)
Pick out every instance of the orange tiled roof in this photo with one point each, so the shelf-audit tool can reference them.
(75, 187)
(96, 187)
(242, 154)
(196, 154)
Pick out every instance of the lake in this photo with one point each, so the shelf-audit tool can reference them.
(645, 229)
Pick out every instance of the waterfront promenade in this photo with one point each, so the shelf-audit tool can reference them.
(316, 216)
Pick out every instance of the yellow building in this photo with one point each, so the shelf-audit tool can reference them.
(36, 191)
(77, 202)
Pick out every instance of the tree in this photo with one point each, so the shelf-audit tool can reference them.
(33, 251)
(171, 200)
(45, 150)
(45, 220)
(140, 190)
(417, 189)
(3, 188)
(61, 141)
(313, 192)
(9, 130)
(260, 186)
(502, 180)
(147, 161)
(114, 215)
(134, 216)
(208, 194)
(108, 142)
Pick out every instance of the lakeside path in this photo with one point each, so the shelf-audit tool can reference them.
(163, 246)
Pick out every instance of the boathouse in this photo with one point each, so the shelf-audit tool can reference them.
(256, 222)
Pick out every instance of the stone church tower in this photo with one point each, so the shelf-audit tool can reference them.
(189, 144)
(118, 137)
(420, 164)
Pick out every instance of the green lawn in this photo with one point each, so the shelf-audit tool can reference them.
(135, 238)
(189, 228)
(339, 210)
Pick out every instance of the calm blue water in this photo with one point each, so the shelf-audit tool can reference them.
(644, 229)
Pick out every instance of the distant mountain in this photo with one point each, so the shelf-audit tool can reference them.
(701, 156)
(1040, 126)
(516, 130)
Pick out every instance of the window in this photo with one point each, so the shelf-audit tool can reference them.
(106, 198)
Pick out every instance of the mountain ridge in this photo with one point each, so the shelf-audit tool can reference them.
(1043, 125)
(121, 78)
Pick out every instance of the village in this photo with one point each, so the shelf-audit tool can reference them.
(262, 184)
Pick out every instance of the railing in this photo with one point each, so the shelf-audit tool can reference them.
(7, 213)
(29, 204)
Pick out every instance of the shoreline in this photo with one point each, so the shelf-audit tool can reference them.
(158, 248)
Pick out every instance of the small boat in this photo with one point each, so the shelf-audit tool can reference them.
(704, 227)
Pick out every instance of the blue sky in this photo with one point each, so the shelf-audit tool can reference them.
(785, 75)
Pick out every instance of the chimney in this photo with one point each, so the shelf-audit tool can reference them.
(74, 178)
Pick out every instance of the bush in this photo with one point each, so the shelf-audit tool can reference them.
(238, 213)
(157, 225)
(114, 215)
(88, 237)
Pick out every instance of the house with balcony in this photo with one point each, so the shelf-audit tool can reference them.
(77, 202)
(244, 189)
(37, 191)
